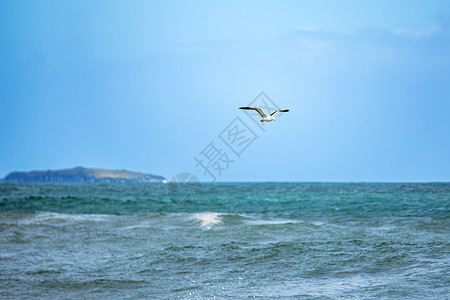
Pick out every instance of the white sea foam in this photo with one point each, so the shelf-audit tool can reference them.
(318, 223)
(51, 217)
(272, 222)
(207, 219)
(138, 226)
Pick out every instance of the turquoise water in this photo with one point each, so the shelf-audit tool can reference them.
(233, 240)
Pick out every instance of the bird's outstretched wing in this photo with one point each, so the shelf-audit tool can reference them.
(280, 110)
(259, 110)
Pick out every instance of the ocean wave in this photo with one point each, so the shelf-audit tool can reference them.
(273, 222)
(206, 220)
(55, 218)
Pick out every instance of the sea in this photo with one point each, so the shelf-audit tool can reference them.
(225, 241)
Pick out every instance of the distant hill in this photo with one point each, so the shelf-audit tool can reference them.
(80, 174)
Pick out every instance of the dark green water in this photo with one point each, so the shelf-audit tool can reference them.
(233, 240)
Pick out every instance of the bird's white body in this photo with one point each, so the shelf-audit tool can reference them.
(264, 117)
(267, 119)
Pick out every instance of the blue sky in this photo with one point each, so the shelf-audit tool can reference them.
(147, 85)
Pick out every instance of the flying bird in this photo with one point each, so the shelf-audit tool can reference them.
(265, 117)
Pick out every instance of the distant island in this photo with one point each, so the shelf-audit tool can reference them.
(81, 174)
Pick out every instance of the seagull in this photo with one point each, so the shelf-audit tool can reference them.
(265, 117)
